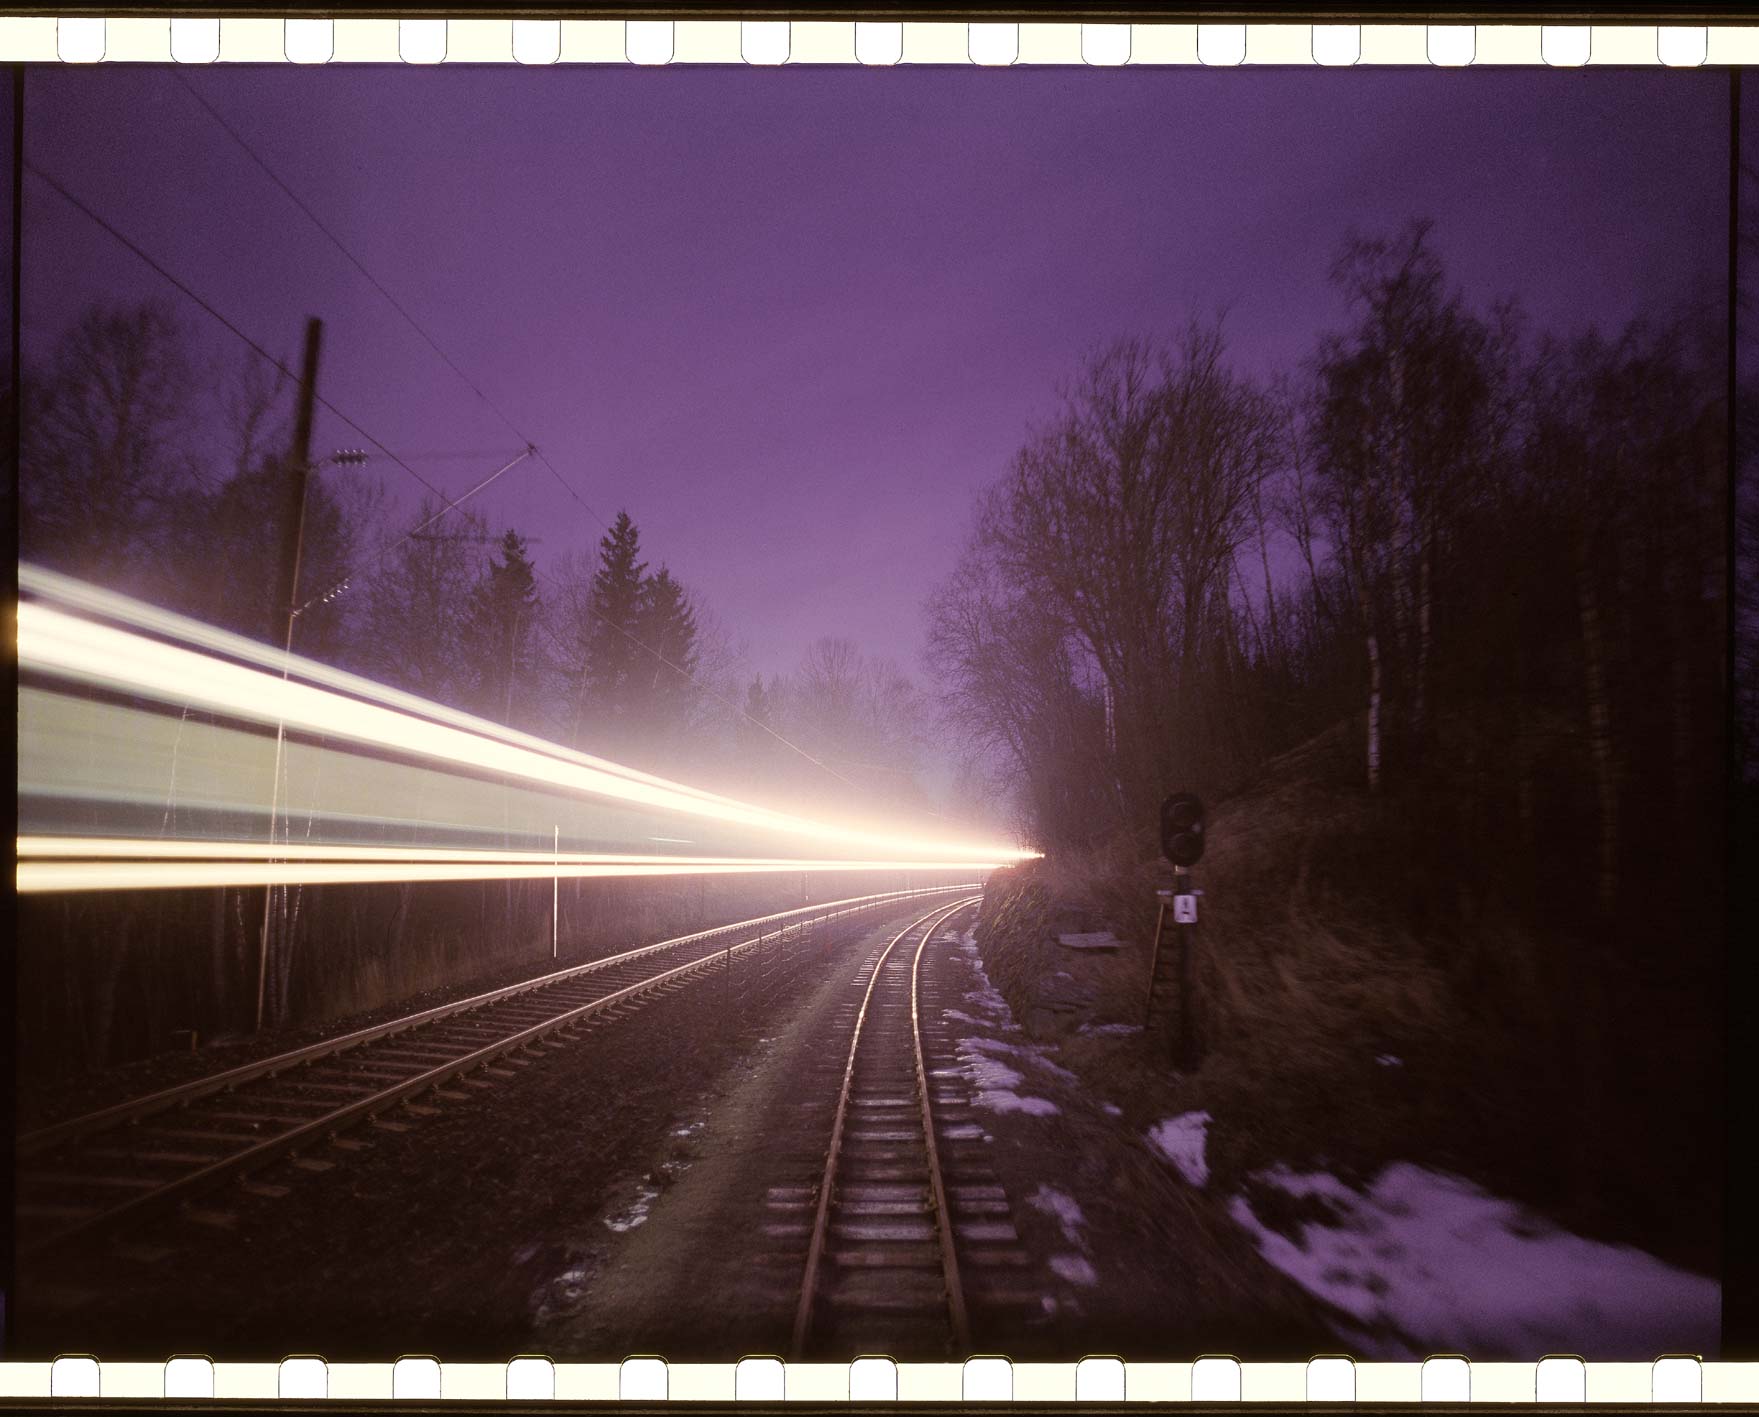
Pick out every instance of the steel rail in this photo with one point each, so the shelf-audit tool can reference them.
(943, 1215)
(821, 1217)
(58, 1134)
(353, 1113)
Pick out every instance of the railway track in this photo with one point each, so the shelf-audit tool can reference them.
(906, 1206)
(86, 1174)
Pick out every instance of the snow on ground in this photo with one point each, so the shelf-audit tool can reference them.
(1423, 1258)
(1110, 1030)
(1032, 1053)
(1181, 1140)
(1075, 1269)
(986, 998)
(994, 1081)
(985, 1072)
(1063, 1206)
(636, 1212)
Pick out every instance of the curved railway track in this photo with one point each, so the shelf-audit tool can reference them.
(87, 1173)
(903, 1202)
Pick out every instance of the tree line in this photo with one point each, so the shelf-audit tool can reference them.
(1496, 553)
(157, 469)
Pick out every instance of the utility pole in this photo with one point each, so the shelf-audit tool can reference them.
(287, 602)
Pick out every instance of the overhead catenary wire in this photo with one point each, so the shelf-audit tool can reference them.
(184, 289)
(379, 286)
(188, 292)
(411, 534)
(531, 447)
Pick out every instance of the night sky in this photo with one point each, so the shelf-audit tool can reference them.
(794, 319)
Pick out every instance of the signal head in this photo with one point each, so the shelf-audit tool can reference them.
(1181, 829)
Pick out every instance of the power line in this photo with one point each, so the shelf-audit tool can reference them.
(379, 286)
(68, 196)
(530, 450)
(410, 535)
(448, 506)
(489, 403)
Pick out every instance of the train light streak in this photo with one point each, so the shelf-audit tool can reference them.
(87, 599)
(41, 877)
(428, 767)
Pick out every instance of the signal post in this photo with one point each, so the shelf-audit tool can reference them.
(1181, 842)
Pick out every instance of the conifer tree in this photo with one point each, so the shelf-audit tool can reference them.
(609, 640)
(499, 633)
(663, 691)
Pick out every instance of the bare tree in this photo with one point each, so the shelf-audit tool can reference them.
(108, 459)
(1123, 517)
(1405, 430)
(1010, 695)
(415, 606)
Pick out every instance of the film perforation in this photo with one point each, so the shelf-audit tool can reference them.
(923, 1234)
(88, 39)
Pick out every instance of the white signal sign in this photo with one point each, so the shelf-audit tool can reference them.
(1184, 910)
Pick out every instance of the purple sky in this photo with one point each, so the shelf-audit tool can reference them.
(793, 320)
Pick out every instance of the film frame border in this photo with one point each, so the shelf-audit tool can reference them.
(264, 39)
(1553, 1380)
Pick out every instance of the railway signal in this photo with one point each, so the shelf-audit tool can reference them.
(1181, 842)
(1181, 829)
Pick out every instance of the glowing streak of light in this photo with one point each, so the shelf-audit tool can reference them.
(189, 848)
(39, 877)
(52, 641)
(83, 596)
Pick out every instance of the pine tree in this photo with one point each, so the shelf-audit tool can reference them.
(664, 693)
(499, 633)
(609, 640)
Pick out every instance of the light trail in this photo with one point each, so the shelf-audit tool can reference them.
(42, 877)
(76, 750)
(94, 600)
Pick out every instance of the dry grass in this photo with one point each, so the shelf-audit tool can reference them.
(1355, 1004)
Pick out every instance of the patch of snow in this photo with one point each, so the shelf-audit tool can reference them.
(1181, 1140)
(1033, 1053)
(1386, 1060)
(1111, 1109)
(635, 1213)
(1005, 1100)
(983, 1070)
(1426, 1258)
(1063, 1206)
(987, 998)
(1110, 1030)
(1075, 1269)
(993, 1081)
